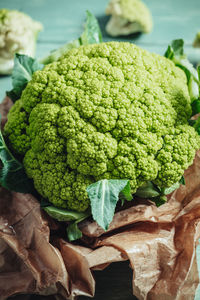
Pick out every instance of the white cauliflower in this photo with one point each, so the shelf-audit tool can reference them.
(18, 34)
(128, 16)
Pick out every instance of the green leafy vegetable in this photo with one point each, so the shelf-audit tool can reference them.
(62, 214)
(195, 107)
(73, 232)
(91, 34)
(196, 125)
(148, 190)
(126, 192)
(24, 67)
(198, 71)
(104, 195)
(12, 173)
(169, 190)
(175, 52)
(182, 181)
(160, 200)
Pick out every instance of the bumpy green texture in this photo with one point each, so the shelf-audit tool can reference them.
(110, 110)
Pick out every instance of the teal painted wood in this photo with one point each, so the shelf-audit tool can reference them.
(63, 21)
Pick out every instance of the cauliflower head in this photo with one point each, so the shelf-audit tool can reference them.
(128, 16)
(18, 34)
(109, 110)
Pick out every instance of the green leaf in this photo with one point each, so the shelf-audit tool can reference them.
(12, 173)
(160, 200)
(64, 215)
(169, 190)
(104, 195)
(126, 192)
(196, 124)
(175, 52)
(198, 71)
(195, 107)
(11, 94)
(148, 190)
(191, 122)
(182, 181)
(91, 34)
(73, 232)
(44, 202)
(24, 67)
(169, 53)
(177, 46)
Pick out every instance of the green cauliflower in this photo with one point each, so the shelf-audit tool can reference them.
(103, 111)
(127, 17)
(18, 34)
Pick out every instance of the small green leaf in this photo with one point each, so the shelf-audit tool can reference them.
(191, 122)
(148, 190)
(73, 232)
(182, 180)
(195, 124)
(160, 200)
(177, 46)
(175, 52)
(64, 215)
(169, 53)
(92, 33)
(126, 192)
(198, 71)
(169, 190)
(104, 195)
(12, 173)
(11, 94)
(195, 107)
(44, 202)
(24, 67)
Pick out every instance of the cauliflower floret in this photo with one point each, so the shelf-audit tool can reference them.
(128, 16)
(18, 34)
(109, 110)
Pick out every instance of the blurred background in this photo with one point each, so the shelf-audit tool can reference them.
(63, 21)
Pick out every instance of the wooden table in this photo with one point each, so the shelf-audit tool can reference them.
(63, 21)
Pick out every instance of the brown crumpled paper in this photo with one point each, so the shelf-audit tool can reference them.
(159, 242)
